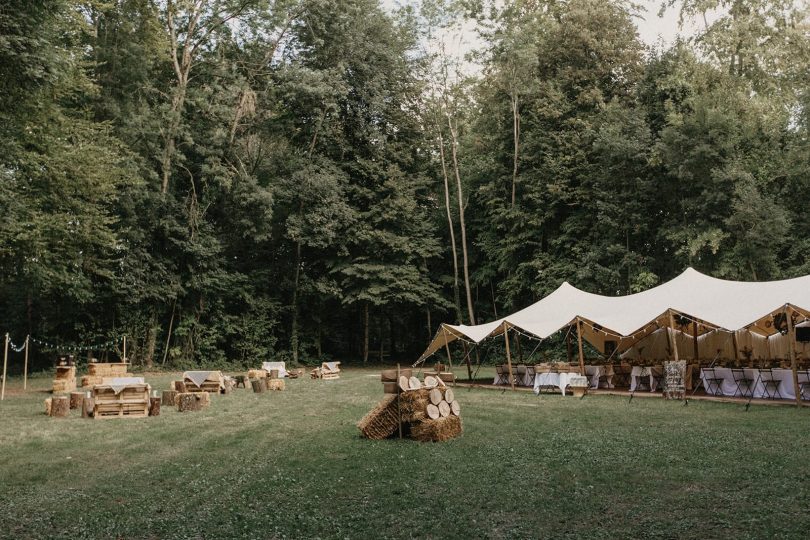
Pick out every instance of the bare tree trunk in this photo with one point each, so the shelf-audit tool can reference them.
(296, 279)
(466, 267)
(516, 135)
(365, 333)
(450, 227)
(151, 340)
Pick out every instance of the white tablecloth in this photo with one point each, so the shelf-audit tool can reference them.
(199, 377)
(729, 388)
(119, 383)
(595, 372)
(280, 366)
(560, 380)
(642, 371)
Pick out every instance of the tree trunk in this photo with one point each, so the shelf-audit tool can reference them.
(60, 406)
(516, 136)
(151, 340)
(294, 328)
(456, 295)
(88, 407)
(365, 333)
(466, 266)
(168, 397)
(154, 406)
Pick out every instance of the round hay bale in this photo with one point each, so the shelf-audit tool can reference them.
(414, 383)
(455, 408)
(444, 409)
(435, 396)
(449, 395)
(431, 382)
(403, 382)
(433, 411)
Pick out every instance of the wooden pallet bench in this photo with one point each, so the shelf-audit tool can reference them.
(131, 402)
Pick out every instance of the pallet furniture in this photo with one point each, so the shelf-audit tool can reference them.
(127, 401)
(204, 381)
(330, 370)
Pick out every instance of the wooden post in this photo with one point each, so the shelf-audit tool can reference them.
(5, 362)
(399, 403)
(124, 359)
(736, 347)
(467, 357)
(25, 365)
(508, 354)
(447, 348)
(674, 337)
(579, 345)
(792, 352)
(695, 340)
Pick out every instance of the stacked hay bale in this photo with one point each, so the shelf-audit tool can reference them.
(65, 380)
(98, 371)
(425, 413)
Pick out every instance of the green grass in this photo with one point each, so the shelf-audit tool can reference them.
(292, 464)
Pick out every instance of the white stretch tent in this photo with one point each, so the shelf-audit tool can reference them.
(692, 302)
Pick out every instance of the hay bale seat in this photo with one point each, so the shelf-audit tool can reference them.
(275, 384)
(257, 374)
(439, 430)
(382, 421)
(125, 401)
(65, 380)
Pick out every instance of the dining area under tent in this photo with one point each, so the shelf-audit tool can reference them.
(737, 339)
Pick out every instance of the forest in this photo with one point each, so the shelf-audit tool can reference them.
(230, 181)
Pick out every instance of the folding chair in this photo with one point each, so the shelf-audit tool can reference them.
(804, 383)
(521, 375)
(502, 373)
(657, 373)
(621, 376)
(515, 375)
(710, 379)
(743, 382)
(769, 383)
(530, 373)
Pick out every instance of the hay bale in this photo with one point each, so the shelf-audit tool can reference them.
(257, 374)
(193, 401)
(382, 421)
(439, 430)
(414, 404)
(91, 380)
(275, 384)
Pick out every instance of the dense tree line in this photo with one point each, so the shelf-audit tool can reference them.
(226, 181)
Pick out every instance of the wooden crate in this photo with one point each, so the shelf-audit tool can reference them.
(131, 402)
(328, 372)
(212, 387)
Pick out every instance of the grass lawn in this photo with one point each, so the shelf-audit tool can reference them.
(291, 464)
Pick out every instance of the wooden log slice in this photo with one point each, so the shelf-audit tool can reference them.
(433, 411)
(76, 399)
(414, 383)
(403, 382)
(455, 408)
(431, 382)
(168, 397)
(60, 406)
(258, 385)
(435, 396)
(449, 395)
(88, 407)
(444, 409)
(154, 406)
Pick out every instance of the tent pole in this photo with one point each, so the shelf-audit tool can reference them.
(447, 347)
(5, 361)
(734, 344)
(467, 356)
(695, 340)
(25, 367)
(674, 337)
(792, 351)
(568, 345)
(579, 344)
(508, 354)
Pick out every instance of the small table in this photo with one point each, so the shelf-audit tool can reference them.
(560, 380)
(644, 371)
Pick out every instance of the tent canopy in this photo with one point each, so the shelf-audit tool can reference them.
(710, 302)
